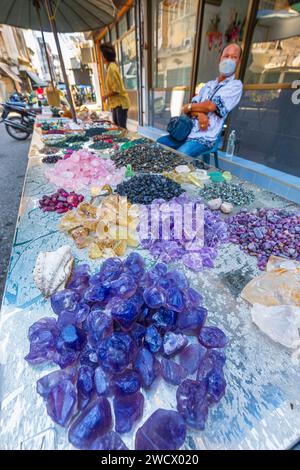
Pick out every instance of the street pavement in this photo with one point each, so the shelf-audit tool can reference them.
(13, 162)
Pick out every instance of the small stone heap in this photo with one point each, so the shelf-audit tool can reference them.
(115, 333)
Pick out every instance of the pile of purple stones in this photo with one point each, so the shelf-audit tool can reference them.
(62, 201)
(115, 333)
(266, 232)
(197, 250)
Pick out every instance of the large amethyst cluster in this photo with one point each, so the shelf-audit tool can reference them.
(197, 247)
(266, 232)
(115, 333)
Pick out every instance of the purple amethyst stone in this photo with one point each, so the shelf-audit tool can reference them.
(99, 325)
(154, 298)
(173, 343)
(191, 321)
(95, 421)
(42, 336)
(216, 386)
(191, 357)
(61, 402)
(125, 312)
(148, 367)
(127, 383)
(116, 352)
(153, 339)
(212, 337)
(163, 430)
(175, 299)
(191, 403)
(172, 372)
(101, 382)
(64, 300)
(165, 319)
(110, 441)
(128, 409)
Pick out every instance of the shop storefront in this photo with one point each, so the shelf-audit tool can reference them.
(178, 44)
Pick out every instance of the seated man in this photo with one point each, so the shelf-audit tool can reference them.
(211, 106)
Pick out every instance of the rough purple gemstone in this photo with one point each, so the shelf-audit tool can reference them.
(125, 312)
(80, 278)
(191, 357)
(138, 333)
(46, 383)
(191, 403)
(93, 422)
(99, 325)
(127, 383)
(61, 402)
(193, 298)
(172, 372)
(164, 430)
(42, 336)
(216, 386)
(135, 265)
(154, 297)
(88, 357)
(70, 338)
(214, 359)
(191, 321)
(85, 381)
(173, 343)
(175, 299)
(101, 382)
(153, 339)
(176, 279)
(165, 319)
(128, 409)
(124, 287)
(110, 270)
(97, 293)
(110, 441)
(212, 337)
(148, 367)
(64, 300)
(116, 352)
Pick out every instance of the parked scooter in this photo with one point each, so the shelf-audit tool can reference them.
(18, 120)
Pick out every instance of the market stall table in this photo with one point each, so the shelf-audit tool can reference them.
(261, 408)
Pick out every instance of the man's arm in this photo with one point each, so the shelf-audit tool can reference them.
(205, 107)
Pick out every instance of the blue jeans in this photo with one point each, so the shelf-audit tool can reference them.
(192, 148)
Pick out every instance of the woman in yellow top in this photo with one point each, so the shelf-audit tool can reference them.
(117, 96)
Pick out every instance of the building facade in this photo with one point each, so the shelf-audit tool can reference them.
(167, 49)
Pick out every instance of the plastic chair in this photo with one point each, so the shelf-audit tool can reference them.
(215, 151)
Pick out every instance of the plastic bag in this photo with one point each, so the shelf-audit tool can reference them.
(281, 324)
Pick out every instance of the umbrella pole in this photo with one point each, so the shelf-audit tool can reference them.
(54, 30)
(37, 6)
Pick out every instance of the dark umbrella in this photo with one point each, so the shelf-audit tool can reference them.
(64, 16)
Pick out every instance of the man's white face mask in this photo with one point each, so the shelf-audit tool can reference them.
(227, 67)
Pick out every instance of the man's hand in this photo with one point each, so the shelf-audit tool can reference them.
(203, 120)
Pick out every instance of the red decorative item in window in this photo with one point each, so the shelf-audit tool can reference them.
(215, 37)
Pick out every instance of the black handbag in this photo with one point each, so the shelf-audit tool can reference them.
(180, 127)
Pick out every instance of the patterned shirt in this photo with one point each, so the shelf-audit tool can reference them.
(227, 96)
(114, 84)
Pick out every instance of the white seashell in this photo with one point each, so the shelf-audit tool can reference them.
(226, 208)
(182, 169)
(52, 270)
(214, 204)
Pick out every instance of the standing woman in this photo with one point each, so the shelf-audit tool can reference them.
(117, 96)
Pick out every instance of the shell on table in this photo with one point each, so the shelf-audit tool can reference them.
(53, 269)
(226, 208)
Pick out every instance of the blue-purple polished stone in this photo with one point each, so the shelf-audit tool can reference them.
(116, 352)
(66, 299)
(177, 279)
(128, 409)
(127, 383)
(101, 382)
(172, 372)
(110, 270)
(138, 332)
(191, 403)
(191, 321)
(191, 357)
(88, 357)
(97, 293)
(110, 441)
(85, 381)
(45, 384)
(173, 343)
(153, 340)
(193, 298)
(80, 278)
(93, 422)
(147, 366)
(163, 430)
(212, 337)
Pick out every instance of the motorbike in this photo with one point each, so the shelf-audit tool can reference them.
(18, 120)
